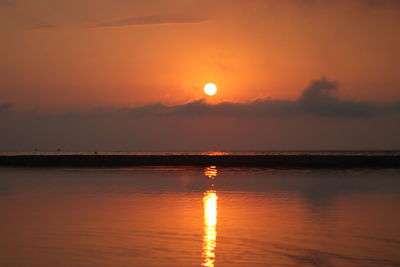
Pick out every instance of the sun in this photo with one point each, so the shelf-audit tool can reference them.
(210, 89)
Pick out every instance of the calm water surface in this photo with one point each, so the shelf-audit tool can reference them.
(199, 217)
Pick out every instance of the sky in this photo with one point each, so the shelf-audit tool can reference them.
(129, 75)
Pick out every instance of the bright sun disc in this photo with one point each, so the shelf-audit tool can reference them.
(210, 89)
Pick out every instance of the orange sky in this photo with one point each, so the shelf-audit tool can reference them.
(63, 55)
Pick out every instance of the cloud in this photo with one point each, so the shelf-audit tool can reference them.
(5, 107)
(19, 16)
(35, 24)
(151, 20)
(318, 99)
(317, 120)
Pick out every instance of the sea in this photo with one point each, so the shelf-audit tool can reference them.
(199, 216)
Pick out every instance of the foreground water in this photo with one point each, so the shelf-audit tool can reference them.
(199, 217)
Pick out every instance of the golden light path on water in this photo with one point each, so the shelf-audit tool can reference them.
(211, 172)
(210, 220)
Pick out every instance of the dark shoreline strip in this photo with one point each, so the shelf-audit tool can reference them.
(264, 161)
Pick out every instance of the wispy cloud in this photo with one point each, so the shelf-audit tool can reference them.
(151, 20)
(21, 18)
(35, 24)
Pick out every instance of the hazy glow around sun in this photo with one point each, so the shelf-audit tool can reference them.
(210, 89)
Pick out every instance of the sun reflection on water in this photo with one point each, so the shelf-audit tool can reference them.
(211, 172)
(210, 220)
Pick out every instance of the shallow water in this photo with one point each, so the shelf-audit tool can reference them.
(199, 217)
